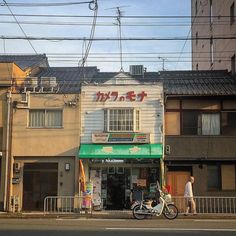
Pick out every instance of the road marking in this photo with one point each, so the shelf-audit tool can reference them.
(81, 219)
(215, 220)
(170, 229)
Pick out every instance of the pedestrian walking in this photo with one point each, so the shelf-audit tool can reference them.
(188, 195)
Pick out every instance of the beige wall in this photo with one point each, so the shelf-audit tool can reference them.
(9, 71)
(59, 145)
(66, 179)
(223, 49)
(45, 142)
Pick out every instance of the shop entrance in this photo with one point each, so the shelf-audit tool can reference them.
(115, 191)
(39, 180)
(116, 186)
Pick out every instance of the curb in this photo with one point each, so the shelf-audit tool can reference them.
(105, 215)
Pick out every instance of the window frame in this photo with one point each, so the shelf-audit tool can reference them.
(220, 183)
(222, 128)
(134, 112)
(45, 118)
(199, 127)
(219, 187)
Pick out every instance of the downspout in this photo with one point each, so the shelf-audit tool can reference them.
(7, 174)
(165, 97)
(80, 132)
(162, 166)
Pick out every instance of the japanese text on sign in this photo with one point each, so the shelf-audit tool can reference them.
(113, 96)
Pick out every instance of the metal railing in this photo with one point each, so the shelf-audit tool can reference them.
(208, 204)
(67, 205)
(83, 205)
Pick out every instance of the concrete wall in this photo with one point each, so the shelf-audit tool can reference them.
(201, 147)
(223, 49)
(37, 145)
(65, 185)
(46, 141)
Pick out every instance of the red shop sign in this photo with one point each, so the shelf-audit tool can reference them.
(113, 96)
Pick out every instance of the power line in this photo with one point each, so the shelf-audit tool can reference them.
(44, 4)
(110, 16)
(91, 37)
(117, 53)
(116, 39)
(117, 61)
(127, 24)
(20, 26)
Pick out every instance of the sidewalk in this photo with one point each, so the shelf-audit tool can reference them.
(106, 215)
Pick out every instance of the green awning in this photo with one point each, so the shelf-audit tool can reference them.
(120, 151)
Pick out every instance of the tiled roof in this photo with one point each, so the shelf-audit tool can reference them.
(69, 79)
(196, 83)
(204, 83)
(25, 61)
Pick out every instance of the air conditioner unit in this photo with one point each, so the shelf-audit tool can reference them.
(31, 82)
(136, 69)
(48, 82)
(16, 167)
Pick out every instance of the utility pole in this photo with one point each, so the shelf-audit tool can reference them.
(163, 62)
(118, 18)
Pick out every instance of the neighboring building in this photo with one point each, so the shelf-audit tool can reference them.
(200, 131)
(13, 71)
(45, 137)
(213, 18)
(121, 139)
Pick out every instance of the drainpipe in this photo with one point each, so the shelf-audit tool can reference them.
(7, 174)
(162, 166)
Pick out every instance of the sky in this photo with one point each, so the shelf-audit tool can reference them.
(103, 54)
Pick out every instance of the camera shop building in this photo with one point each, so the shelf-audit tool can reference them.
(121, 137)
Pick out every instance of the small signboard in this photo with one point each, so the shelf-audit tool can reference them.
(142, 182)
(121, 138)
(15, 180)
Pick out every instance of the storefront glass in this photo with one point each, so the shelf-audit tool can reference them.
(120, 182)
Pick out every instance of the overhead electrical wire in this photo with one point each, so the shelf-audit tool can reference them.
(117, 53)
(131, 61)
(189, 33)
(56, 4)
(180, 38)
(130, 24)
(91, 37)
(22, 30)
(112, 16)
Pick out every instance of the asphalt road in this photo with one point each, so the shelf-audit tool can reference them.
(103, 227)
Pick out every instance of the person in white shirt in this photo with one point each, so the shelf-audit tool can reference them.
(188, 195)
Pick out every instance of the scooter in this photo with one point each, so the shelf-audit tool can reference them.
(164, 206)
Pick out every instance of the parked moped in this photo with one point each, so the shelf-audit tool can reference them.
(142, 210)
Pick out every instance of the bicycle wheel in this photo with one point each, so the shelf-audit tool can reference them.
(170, 212)
(138, 212)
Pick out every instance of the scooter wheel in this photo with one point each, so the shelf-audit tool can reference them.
(170, 212)
(138, 212)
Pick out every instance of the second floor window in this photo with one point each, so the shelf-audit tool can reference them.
(43, 118)
(122, 120)
(228, 120)
(196, 123)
